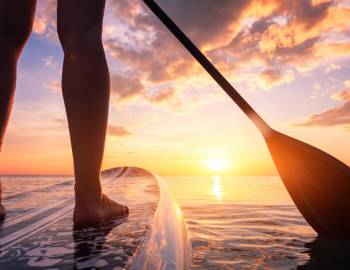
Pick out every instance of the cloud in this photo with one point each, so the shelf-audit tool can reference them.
(339, 115)
(118, 131)
(126, 87)
(45, 21)
(220, 22)
(332, 67)
(165, 96)
(294, 34)
(145, 45)
(272, 77)
(39, 25)
(161, 96)
(50, 62)
(148, 47)
(273, 36)
(342, 96)
(54, 86)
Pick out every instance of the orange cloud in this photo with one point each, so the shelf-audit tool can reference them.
(291, 33)
(342, 96)
(339, 115)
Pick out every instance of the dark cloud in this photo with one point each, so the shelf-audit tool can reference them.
(296, 53)
(118, 131)
(154, 52)
(306, 13)
(207, 22)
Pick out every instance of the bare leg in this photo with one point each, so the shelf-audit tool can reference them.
(85, 85)
(16, 21)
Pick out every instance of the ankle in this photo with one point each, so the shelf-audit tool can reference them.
(87, 194)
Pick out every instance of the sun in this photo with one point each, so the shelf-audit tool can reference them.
(216, 164)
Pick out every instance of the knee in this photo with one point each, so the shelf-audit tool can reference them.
(15, 33)
(79, 40)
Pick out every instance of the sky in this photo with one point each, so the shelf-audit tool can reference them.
(289, 59)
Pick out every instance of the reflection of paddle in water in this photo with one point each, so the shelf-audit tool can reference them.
(318, 183)
(327, 254)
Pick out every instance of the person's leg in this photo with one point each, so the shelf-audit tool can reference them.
(85, 86)
(16, 21)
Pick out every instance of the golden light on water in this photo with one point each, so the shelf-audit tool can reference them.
(217, 187)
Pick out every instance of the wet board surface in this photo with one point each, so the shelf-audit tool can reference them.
(38, 231)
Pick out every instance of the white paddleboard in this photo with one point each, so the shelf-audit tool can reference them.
(38, 232)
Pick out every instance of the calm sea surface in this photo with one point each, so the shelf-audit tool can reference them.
(234, 222)
(251, 223)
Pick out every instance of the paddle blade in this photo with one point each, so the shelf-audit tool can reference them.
(318, 183)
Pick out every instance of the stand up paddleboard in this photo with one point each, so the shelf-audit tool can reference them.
(38, 231)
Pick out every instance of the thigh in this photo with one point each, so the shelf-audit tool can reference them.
(79, 16)
(16, 19)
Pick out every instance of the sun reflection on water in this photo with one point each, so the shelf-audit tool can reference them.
(217, 187)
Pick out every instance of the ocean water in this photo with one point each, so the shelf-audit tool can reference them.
(234, 222)
(251, 223)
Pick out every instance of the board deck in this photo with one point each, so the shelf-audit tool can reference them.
(38, 231)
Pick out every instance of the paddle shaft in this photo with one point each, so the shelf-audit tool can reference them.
(209, 67)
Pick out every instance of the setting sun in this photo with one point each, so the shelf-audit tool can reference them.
(217, 164)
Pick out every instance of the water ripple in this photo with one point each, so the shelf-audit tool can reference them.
(251, 231)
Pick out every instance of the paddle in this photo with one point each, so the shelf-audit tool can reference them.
(318, 183)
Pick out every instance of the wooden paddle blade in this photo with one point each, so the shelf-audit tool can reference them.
(318, 183)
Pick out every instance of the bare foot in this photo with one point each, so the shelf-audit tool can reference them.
(89, 213)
